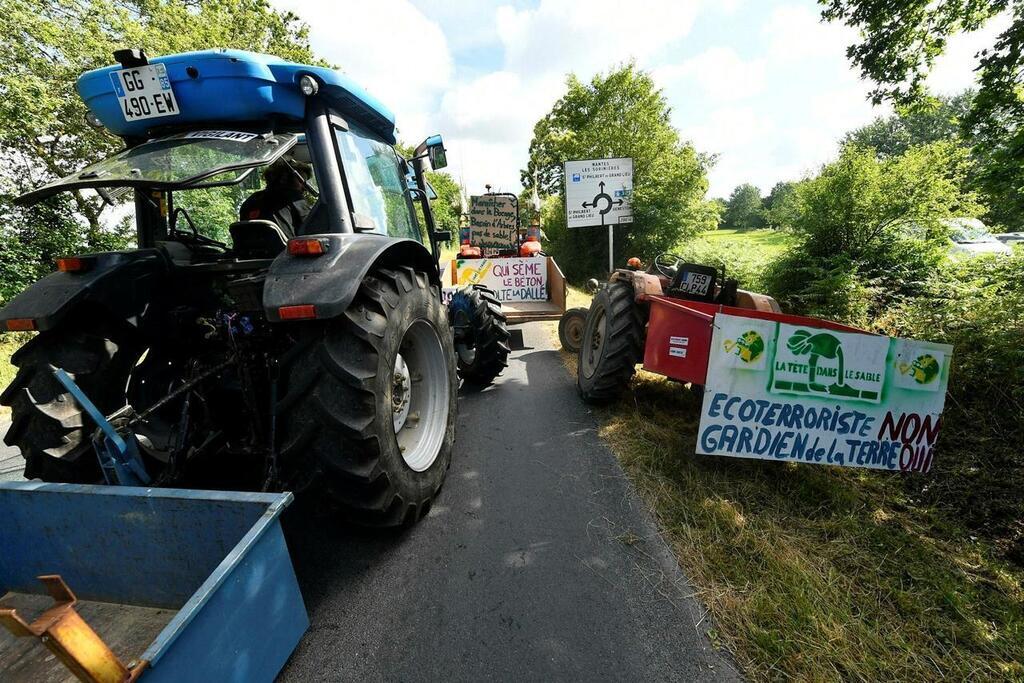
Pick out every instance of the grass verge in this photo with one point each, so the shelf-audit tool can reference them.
(818, 573)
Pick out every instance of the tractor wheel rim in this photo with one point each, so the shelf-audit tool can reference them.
(575, 331)
(401, 393)
(421, 431)
(592, 345)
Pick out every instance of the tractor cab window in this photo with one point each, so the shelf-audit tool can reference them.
(376, 186)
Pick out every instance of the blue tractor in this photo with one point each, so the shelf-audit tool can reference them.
(297, 341)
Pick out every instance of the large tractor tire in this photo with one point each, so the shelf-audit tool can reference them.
(612, 344)
(481, 334)
(570, 328)
(49, 427)
(367, 402)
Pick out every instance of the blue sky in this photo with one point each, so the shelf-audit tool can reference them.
(763, 84)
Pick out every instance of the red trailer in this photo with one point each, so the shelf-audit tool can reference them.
(664, 317)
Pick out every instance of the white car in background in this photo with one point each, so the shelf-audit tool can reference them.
(971, 237)
(1011, 238)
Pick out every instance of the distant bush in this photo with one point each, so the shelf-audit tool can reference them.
(870, 231)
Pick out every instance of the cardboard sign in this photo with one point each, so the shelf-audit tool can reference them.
(598, 192)
(777, 391)
(512, 279)
(494, 221)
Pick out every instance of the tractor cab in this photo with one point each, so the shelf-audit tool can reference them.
(204, 131)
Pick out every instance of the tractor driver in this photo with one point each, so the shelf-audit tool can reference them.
(283, 200)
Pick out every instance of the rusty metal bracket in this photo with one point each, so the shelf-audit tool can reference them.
(67, 635)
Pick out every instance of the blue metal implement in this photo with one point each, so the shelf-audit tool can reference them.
(119, 457)
(218, 559)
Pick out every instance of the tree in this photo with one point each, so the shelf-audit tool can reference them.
(942, 118)
(899, 45)
(780, 206)
(743, 210)
(871, 230)
(47, 44)
(893, 135)
(619, 114)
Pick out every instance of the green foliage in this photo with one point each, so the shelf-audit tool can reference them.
(619, 114)
(871, 230)
(899, 44)
(912, 126)
(744, 210)
(781, 206)
(977, 305)
(992, 174)
(31, 239)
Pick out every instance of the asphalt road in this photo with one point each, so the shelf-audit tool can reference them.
(537, 561)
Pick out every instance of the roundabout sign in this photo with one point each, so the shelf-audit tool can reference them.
(598, 194)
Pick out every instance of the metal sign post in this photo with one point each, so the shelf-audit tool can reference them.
(598, 193)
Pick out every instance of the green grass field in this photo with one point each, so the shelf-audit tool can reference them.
(744, 253)
(767, 243)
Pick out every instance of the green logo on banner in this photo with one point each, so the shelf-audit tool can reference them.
(823, 378)
(924, 369)
(748, 346)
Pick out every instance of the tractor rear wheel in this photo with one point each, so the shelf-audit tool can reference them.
(49, 427)
(367, 402)
(570, 328)
(612, 344)
(481, 334)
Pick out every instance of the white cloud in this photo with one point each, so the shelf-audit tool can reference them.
(378, 44)
(720, 72)
(585, 37)
(797, 33)
(954, 71)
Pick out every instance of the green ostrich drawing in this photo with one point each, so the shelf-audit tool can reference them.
(820, 345)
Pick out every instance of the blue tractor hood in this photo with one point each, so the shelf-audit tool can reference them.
(234, 86)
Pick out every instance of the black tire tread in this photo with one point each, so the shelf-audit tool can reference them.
(491, 336)
(48, 426)
(623, 346)
(327, 413)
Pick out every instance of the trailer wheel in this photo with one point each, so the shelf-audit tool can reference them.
(570, 328)
(49, 427)
(612, 344)
(367, 402)
(481, 334)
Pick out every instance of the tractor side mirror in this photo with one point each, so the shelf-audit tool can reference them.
(442, 236)
(435, 152)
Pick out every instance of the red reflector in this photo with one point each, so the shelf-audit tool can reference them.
(73, 264)
(21, 325)
(302, 247)
(301, 312)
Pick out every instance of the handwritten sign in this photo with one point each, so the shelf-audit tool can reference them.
(494, 221)
(512, 279)
(777, 391)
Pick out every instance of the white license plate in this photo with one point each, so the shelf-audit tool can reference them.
(696, 283)
(144, 92)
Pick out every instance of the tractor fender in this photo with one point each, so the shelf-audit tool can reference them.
(122, 282)
(329, 281)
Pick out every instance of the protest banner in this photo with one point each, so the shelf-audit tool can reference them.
(777, 391)
(512, 279)
(494, 222)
